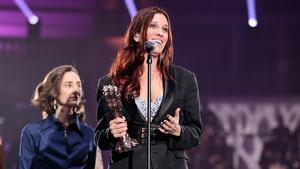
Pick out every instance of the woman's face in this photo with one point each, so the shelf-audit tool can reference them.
(70, 90)
(158, 31)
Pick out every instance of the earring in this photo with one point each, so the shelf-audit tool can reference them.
(74, 111)
(55, 105)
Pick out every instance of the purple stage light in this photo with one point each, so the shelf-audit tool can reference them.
(252, 20)
(31, 17)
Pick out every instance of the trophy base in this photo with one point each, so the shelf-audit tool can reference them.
(125, 144)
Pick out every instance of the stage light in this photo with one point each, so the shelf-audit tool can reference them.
(252, 20)
(252, 23)
(33, 20)
(31, 17)
(131, 7)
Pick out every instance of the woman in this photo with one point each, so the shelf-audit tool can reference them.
(175, 110)
(61, 140)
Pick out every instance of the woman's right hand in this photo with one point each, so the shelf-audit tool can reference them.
(118, 127)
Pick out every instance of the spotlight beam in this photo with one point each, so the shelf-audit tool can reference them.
(131, 7)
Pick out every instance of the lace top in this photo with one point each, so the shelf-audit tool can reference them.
(142, 106)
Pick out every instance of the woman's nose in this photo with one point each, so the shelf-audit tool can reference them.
(160, 33)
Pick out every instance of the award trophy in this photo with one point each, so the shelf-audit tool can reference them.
(112, 97)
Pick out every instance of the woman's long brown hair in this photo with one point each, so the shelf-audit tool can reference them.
(128, 65)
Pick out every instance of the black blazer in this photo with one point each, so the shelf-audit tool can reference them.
(170, 154)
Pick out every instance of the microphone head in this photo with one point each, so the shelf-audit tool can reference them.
(150, 46)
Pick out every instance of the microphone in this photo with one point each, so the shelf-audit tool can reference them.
(150, 46)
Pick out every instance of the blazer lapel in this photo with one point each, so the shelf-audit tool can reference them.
(167, 100)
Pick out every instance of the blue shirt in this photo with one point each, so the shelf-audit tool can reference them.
(48, 145)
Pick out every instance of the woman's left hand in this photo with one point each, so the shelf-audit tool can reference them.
(171, 125)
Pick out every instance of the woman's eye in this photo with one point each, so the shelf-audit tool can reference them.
(153, 25)
(165, 29)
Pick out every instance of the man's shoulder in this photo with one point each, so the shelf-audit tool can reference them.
(34, 127)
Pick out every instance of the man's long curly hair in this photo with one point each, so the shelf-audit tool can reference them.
(48, 90)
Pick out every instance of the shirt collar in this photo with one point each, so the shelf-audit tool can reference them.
(75, 120)
(50, 120)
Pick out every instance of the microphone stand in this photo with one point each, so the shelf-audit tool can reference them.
(149, 62)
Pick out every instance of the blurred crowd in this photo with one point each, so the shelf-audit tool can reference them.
(281, 147)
